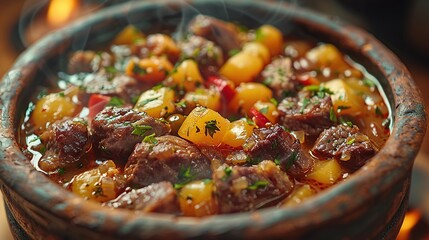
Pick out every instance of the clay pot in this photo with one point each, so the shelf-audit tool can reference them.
(369, 205)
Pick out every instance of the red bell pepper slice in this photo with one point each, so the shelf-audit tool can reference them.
(259, 118)
(227, 91)
(96, 103)
(307, 80)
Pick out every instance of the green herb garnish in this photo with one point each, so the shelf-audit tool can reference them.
(258, 184)
(140, 130)
(138, 70)
(185, 176)
(232, 52)
(274, 101)
(146, 101)
(211, 128)
(368, 83)
(150, 139)
(264, 110)
(378, 111)
(115, 102)
(305, 103)
(111, 69)
(332, 115)
(291, 160)
(351, 141)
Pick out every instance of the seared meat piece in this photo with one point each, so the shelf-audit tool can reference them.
(274, 143)
(168, 158)
(158, 197)
(203, 51)
(306, 112)
(240, 189)
(68, 140)
(346, 144)
(116, 131)
(112, 84)
(278, 76)
(222, 33)
(88, 61)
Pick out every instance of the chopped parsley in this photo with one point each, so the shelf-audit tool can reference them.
(258, 184)
(318, 90)
(264, 110)
(140, 130)
(61, 171)
(274, 101)
(259, 35)
(342, 107)
(291, 160)
(211, 128)
(378, 111)
(228, 172)
(150, 139)
(115, 102)
(351, 141)
(250, 121)
(146, 101)
(111, 69)
(61, 94)
(345, 122)
(181, 104)
(185, 176)
(233, 52)
(332, 115)
(368, 83)
(138, 70)
(277, 161)
(305, 103)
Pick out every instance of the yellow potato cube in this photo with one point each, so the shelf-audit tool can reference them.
(242, 67)
(247, 94)
(128, 35)
(204, 97)
(238, 132)
(259, 50)
(326, 172)
(153, 69)
(196, 199)
(156, 102)
(268, 109)
(97, 184)
(186, 76)
(271, 37)
(344, 98)
(204, 126)
(52, 107)
(299, 194)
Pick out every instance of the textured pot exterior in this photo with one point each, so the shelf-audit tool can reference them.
(370, 204)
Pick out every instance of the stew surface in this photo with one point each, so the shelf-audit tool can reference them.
(226, 120)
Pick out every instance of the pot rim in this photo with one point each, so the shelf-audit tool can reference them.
(393, 162)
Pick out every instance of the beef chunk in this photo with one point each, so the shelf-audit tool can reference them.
(66, 141)
(308, 113)
(158, 197)
(88, 61)
(112, 84)
(274, 143)
(346, 144)
(203, 51)
(278, 76)
(222, 33)
(168, 158)
(116, 131)
(240, 189)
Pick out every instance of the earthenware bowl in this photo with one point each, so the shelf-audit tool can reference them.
(369, 205)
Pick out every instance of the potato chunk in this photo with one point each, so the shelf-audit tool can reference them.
(204, 126)
(242, 67)
(156, 102)
(97, 184)
(196, 199)
(344, 98)
(247, 95)
(238, 132)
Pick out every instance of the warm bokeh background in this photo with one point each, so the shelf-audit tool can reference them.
(402, 25)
